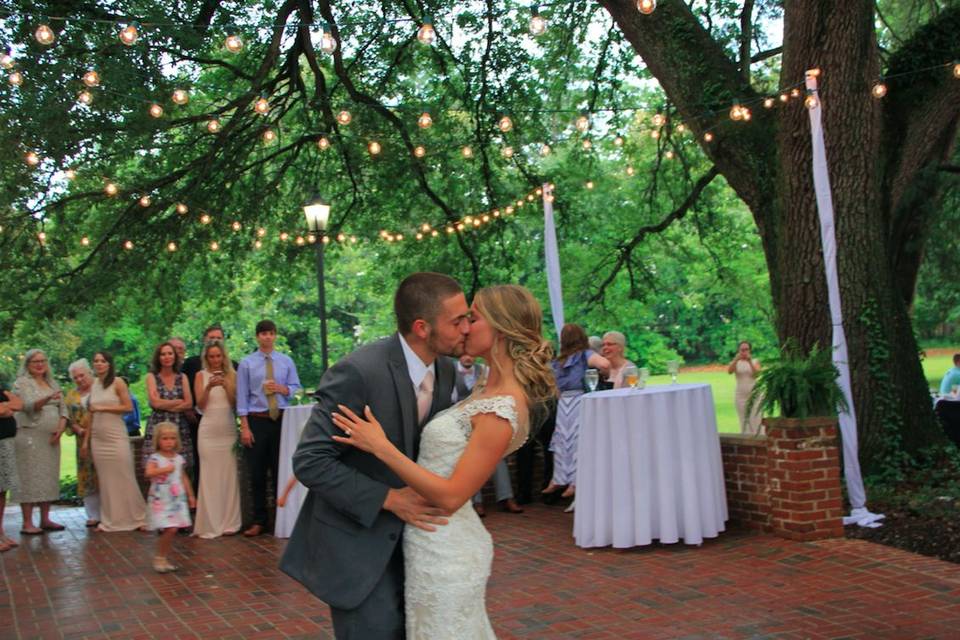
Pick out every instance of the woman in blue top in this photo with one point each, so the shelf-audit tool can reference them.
(575, 358)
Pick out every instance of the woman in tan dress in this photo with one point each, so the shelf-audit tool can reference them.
(215, 388)
(122, 507)
(745, 367)
(39, 427)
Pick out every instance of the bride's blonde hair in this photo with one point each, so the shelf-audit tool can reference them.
(515, 314)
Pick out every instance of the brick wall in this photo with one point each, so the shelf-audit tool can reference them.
(787, 482)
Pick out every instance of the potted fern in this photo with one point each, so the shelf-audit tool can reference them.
(801, 388)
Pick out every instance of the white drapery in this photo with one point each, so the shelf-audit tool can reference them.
(552, 258)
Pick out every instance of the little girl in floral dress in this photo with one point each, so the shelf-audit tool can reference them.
(171, 495)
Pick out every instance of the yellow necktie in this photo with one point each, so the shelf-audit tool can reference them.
(273, 407)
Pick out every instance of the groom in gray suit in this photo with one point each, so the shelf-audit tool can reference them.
(346, 545)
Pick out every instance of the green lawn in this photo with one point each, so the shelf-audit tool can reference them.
(722, 383)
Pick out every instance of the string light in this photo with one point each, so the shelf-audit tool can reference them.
(6, 60)
(262, 105)
(426, 34)
(182, 208)
(538, 25)
(419, 151)
(655, 134)
(328, 44)
(284, 236)
(257, 244)
(582, 123)
(587, 144)
(205, 218)
(646, 7)
(129, 35)
(261, 232)
(213, 125)
(91, 78)
(323, 143)
(658, 120)
(31, 158)
(794, 93)
(214, 246)
(171, 246)
(466, 152)
(84, 241)
(669, 155)
(879, 90)
(708, 137)
(768, 103)
(268, 136)
(144, 201)
(155, 110)
(589, 184)
(44, 35)
(300, 241)
(545, 150)
(630, 170)
(42, 237)
(505, 124)
(85, 97)
(784, 97)
(736, 112)
(344, 117)
(15, 78)
(233, 43)
(128, 245)
(811, 101)
(424, 121)
(618, 141)
(110, 189)
(180, 96)
(681, 128)
(745, 114)
(956, 69)
(507, 152)
(70, 174)
(374, 148)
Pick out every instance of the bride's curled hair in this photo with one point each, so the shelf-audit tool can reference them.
(516, 315)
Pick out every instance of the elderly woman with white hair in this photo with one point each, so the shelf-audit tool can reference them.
(613, 347)
(79, 419)
(39, 426)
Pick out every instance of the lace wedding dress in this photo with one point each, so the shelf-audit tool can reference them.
(447, 569)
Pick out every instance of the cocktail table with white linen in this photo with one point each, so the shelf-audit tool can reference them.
(294, 419)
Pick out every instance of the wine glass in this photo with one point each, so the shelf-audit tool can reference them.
(592, 377)
(630, 376)
(673, 368)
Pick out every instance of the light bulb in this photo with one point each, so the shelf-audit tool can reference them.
(669, 155)
(182, 208)
(268, 136)
(180, 96)
(213, 125)
(284, 236)
(419, 236)
(85, 97)
(646, 7)
(419, 151)
(426, 34)
(262, 106)
(42, 236)
(736, 113)
(155, 110)
(31, 158)
(44, 35)
(70, 174)
(505, 124)
(768, 103)
(6, 61)
(328, 44)
(171, 246)
(374, 148)
(300, 241)
(85, 241)
(344, 117)
(205, 219)
(214, 246)
(956, 69)
(144, 201)
(128, 245)
(233, 43)
(466, 152)
(708, 137)
(794, 93)
(587, 144)
(323, 143)
(424, 121)
(589, 184)
(91, 78)
(545, 150)
(129, 35)
(312, 239)
(261, 232)
(538, 25)
(784, 97)
(746, 114)
(630, 170)
(681, 128)
(582, 123)
(341, 237)
(658, 120)
(507, 152)
(879, 90)
(618, 141)
(257, 244)
(15, 78)
(811, 102)
(655, 134)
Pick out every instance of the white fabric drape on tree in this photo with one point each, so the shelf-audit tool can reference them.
(552, 259)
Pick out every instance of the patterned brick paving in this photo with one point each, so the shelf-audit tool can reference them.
(78, 584)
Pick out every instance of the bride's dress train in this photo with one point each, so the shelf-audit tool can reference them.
(447, 569)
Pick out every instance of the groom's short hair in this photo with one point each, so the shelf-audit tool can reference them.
(421, 295)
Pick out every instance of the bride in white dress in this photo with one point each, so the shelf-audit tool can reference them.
(447, 569)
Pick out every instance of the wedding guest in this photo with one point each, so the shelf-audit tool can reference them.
(613, 348)
(469, 373)
(10, 403)
(218, 504)
(745, 367)
(40, 423)
(132, 418)
(78, 419)
(575, 358)
(595, 343)
(171, 494)
(170, 397)
(266, 380)
(951, 377)
(180, 347)
(122, 507)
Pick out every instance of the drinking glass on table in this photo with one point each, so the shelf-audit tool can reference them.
(644, 376)
(592, 377)
(631, 376)
(673, 368)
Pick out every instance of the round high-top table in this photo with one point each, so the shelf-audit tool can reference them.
(294, 419)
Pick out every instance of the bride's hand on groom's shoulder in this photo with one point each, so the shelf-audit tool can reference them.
(365, 434)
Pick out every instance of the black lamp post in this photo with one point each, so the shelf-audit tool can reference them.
(317, 212)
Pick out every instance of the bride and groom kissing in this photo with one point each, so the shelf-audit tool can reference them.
(387, 536)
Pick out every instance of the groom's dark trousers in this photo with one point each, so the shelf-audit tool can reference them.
(345, 548)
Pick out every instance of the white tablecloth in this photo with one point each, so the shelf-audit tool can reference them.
(294, 418)
(649, 467)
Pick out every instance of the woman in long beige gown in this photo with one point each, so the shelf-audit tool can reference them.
(215, 388)
(745, 369)
(122, 507)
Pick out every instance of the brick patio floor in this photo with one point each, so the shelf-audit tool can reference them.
(78, 584)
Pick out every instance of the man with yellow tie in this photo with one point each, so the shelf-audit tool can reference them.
(266, 380)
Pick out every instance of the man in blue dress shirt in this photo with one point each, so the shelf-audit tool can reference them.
(951, 377)
(266, 380)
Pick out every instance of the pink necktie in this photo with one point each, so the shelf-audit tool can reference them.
(425, 397)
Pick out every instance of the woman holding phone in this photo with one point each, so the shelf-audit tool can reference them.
(215, 387)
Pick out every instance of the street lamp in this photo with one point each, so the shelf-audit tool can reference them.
(317, 212)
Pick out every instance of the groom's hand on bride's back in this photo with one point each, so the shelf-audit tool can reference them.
(412, 508)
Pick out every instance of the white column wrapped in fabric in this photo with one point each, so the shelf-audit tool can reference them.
(551, 256)
(821, 183)
(294, 419)
(649, 467)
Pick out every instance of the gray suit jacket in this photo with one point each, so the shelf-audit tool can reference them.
(343, 539)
